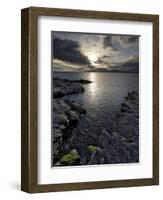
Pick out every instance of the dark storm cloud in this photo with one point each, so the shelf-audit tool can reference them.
(133, 39)
(132, 61)
(132, 64)
(129, 41)
(68, 51)
(102, 59)
(108, 43)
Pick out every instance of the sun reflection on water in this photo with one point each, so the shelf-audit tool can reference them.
(93, 86)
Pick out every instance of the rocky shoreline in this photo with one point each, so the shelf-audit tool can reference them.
(63, 87)
(75, 139)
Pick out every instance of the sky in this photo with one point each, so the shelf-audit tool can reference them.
(94, 52)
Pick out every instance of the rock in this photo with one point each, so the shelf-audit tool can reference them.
(58, 92)
(61, 119)
(71, 158)
(83, 81)
(116, 150)
(63, 87)
(64, 106)
(127, 121)
(55, 125)
(92, 148)
(66, 116)
(66, 113)
(57, 133)
(115, 134)
(77, 107)
(97, 157)
(73, 117)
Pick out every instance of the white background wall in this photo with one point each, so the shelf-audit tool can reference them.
(10, 98)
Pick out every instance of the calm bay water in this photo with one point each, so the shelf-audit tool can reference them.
(102, 97)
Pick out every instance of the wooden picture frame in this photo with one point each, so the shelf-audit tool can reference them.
(29, 112)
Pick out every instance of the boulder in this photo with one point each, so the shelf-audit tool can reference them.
(77, 107)
(97, 157)
(73, 117)
(71, 158)
(61, 119)
(127, 121)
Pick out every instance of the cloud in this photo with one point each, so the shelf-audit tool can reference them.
(133, 60)
(105, 56)
(68, 51)
(129, 41)
(108, 43)
(59, 65)
(102, 59)
(133, 39)
(132, 64)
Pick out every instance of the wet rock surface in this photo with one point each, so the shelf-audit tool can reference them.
(76, 141)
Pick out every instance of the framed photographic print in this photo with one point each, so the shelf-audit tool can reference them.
(90, 100)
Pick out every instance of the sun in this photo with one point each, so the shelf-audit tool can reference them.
(92, 57)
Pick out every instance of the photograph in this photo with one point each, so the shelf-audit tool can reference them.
(95, 99)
